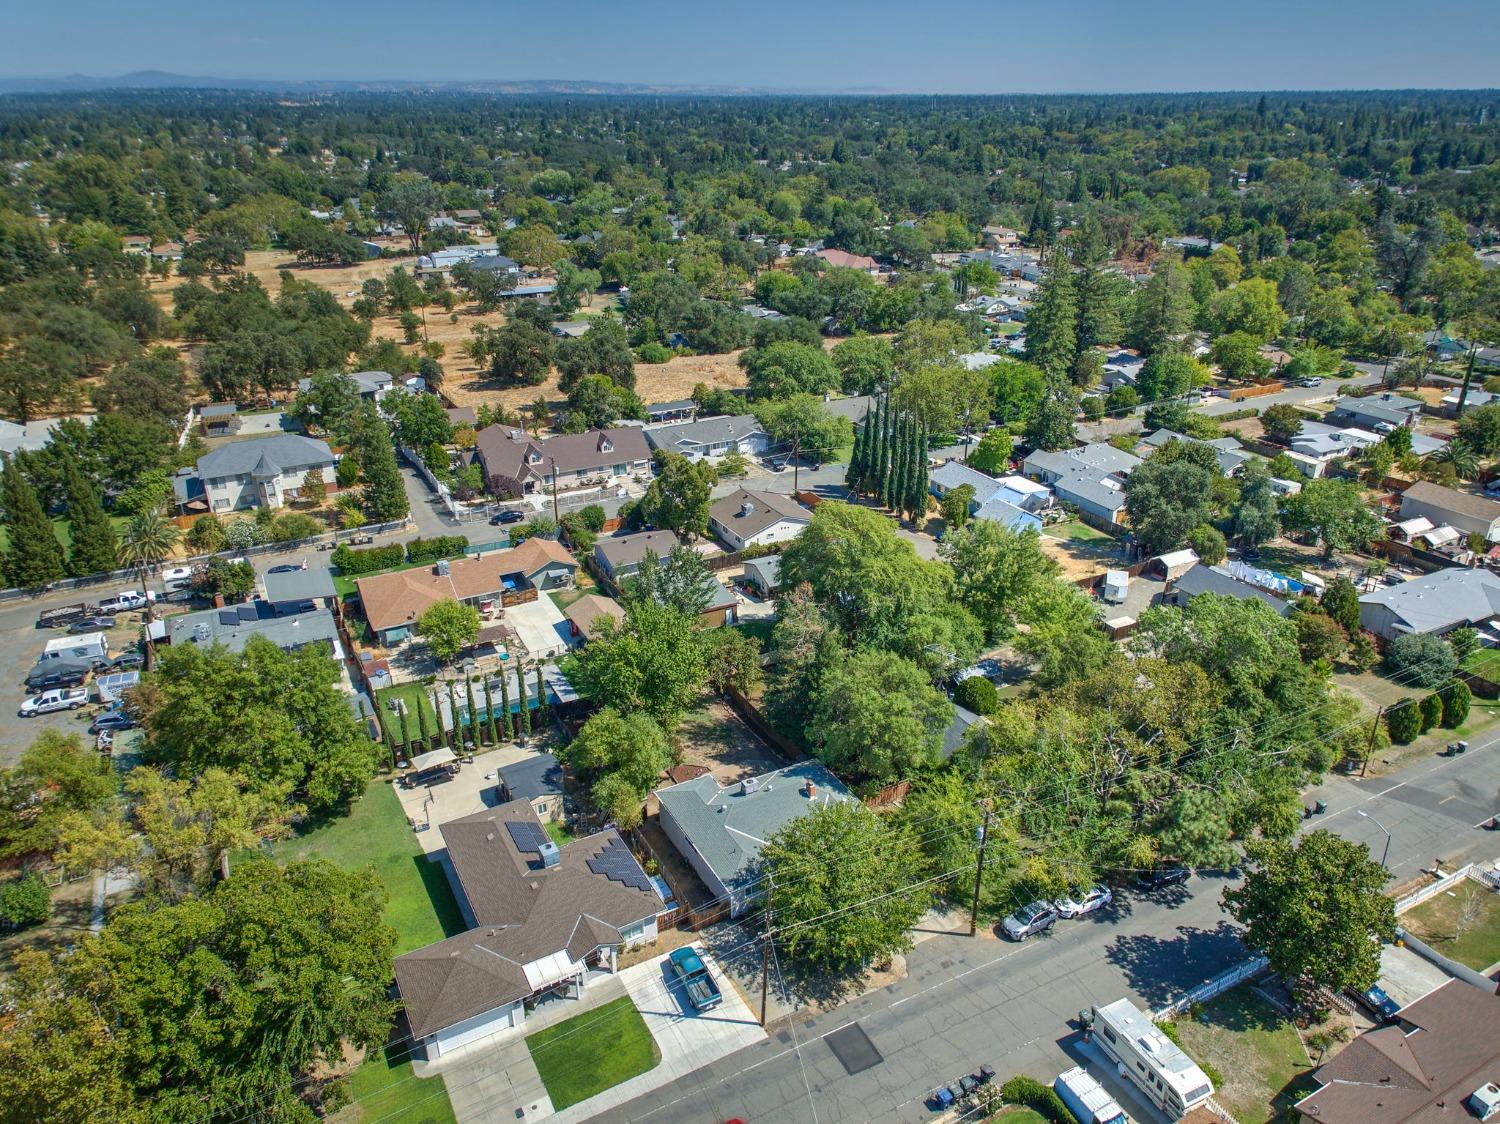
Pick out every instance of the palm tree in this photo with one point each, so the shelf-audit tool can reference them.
(1461, 455)
(148, 541)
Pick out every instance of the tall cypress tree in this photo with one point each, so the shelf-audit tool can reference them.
(505, 726)
(489, 712)
(473, 711)
(95, 548)
(854, 476)
(541, 699)
(405, 733)
(919, 477)
(902, 469)
(887, 455)
(35, 556)
(524, 724)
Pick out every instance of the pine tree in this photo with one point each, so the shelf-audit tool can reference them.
(505, 726)
(525, 716)
(902, 464)
(35, 557)
(489, 713)
(1051, 325)
(385, 491)
(541, 699)
(95, 548)
(422, 725)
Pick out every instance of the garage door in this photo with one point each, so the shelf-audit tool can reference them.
(471, 1030)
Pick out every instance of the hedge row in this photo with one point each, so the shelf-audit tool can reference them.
(430, 550)
(353, 563)
(1037, 1097)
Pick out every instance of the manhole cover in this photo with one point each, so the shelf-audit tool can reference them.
(853, 1048)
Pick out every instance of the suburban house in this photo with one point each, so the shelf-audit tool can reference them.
(1001, 238)
(585, 614)
(1380, 412)
(1220, 580)
(1449, 506)
(1475, 397)
(300, 591)
(394, 602)
(749, 517)
(1315, 446)
(258, 472)
(372, 385)
(544, 919)
(720, 830)
(462, 415)
(1090, 477)
(1438, 1060)
(136, 243)
(953, 474)
(1433, 603)
(619, 556)
(234, 625)
(842, 259)
(999, 510)
(710, 438)
(719, 610)
(682, 409)
(537, 779)
(443, 261)
(516, 463)
(854, 407)
(764, 574)
(1227, 450)
(219, 419)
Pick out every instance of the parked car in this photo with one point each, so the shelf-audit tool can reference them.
(695, 978)
(51, 674)
(127, 601)
(48, 701)
(1310, 381)
(112, 720)
(91, 624)
(127, 661)
(504, 517)
(1381, 1005)
(1162, 877)
(1080, 902)
(1029, 920)
(287, 568)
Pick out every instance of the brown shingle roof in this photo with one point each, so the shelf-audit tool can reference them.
(524, 912)
(1450, 499)
(508, 451)
(589, 608)
(1444, 1047)
(842, 259)
(766, 510)
(393, 599)
(628, 550)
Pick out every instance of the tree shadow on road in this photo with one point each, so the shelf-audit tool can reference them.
(1158, 968)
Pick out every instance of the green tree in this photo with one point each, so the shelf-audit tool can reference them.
(878, 717)
(1456, 698)
(942, 815)
(1334, 510)
(847, 870)
(733, 660)
(35, 556)
(55, 778)
(804, 424)
(521, 353)
(1161, 311)
(652, 662)
(1168, 375)
(996, 571)
(1282, 421)
(1341, 602)
(1051, 325)
(956, 504)
(678, 498)
(789, 367)
(627, 750)
(1421, 660)
(681, 581)
(1316, 909)
(1207, 542)
(978, 694)
(992, 453)
(1404, 721)
(1238, 356)
(329, 402)
(95, 548)
(314, 489)
(866, 364)
(1169, 496)
(449, 627)
(385, 491)
(408, 201)
(1257, 512)
(523, 712)
(1050, 427)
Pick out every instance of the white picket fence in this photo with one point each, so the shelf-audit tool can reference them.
(1216, 986)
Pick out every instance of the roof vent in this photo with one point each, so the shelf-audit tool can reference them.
(747, 508)
(812, 791)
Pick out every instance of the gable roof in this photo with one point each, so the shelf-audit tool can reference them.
(1227, 450)
(536, 554)
(275, 455)
(1423, 1067)
(842, 259)
(589, 608)
(506, 451)
(1451, 499)
(854, 408)
(690, 437)
(526, 914)
(627, 550)
(1440, 600)
(401, 597)
(765, 509)
(1215, 579)
(535, 776)
(955, 474)
(299, 585)
(234, 625)
(729, 826)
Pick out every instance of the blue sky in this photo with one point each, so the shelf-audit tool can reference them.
(933, 47)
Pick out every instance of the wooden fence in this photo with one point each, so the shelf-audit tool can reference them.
(889, 796)
(758, 722)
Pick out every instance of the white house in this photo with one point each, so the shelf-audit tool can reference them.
(711, 438)
(260, 472)
(754, 518)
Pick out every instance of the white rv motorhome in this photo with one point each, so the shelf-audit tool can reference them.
(1149, 1059)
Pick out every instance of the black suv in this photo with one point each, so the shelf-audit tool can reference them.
(51, 678)
(1162, 877)
(503, 517)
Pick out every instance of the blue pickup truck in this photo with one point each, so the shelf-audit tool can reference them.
(693, 974)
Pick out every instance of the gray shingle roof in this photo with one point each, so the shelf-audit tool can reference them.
(689, 437)
(729, 826)
(538, 775)
(1211, 579)
(628, 550)
(766, 509)
(281, 453)
(955, 474)
(1441, 600)
(300, 585)
(234, 625)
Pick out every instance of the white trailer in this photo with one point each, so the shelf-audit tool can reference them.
(1086, 1098)
(1116, 586)
(1150, 1060)
(80, 649)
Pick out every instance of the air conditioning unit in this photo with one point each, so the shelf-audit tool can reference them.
(1484, 1101)
(749, 785)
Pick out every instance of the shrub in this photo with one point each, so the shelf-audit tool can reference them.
(1421, 660)
(1208, 544)
(430, 550)
(1037, 1097)
(977, 694)
(1432, 711)
(1465, 641)
(1404, 721)
(352, 563)
(652, 352)
(25, 901)
(294, 525)
(1456, 698)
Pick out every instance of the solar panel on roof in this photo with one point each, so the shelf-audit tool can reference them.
(247, 612)
(526, 836)
(228, 616)
(616, 863)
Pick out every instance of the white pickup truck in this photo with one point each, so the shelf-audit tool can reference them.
(126, 601)
(60, 699)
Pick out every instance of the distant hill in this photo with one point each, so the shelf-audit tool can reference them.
(165, 80)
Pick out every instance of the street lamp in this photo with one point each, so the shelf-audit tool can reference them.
(1385, 854)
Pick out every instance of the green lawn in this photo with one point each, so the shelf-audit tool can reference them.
(1075, 532)
(416, 697)
(1017, 1114)
(757, 629)
(1485, 663)
(594, 1051)
(1436, 920)
(422, 908)
(63, 530)
(386, 1090)
(1256, 1050)
(559, 834)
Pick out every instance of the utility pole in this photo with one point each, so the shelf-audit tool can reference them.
(984, 837)
(1370, 744)
(796, 457)
(765, 954)
(1463, 392)
(555, 517)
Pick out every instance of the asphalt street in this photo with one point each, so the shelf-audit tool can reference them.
(966, 1002)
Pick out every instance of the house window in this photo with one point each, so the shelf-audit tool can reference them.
(620, 469)
(633, 932)
(541, 809)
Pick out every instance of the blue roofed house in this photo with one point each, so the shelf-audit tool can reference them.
(720, 830)
(1011, 500)
(260, 472)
